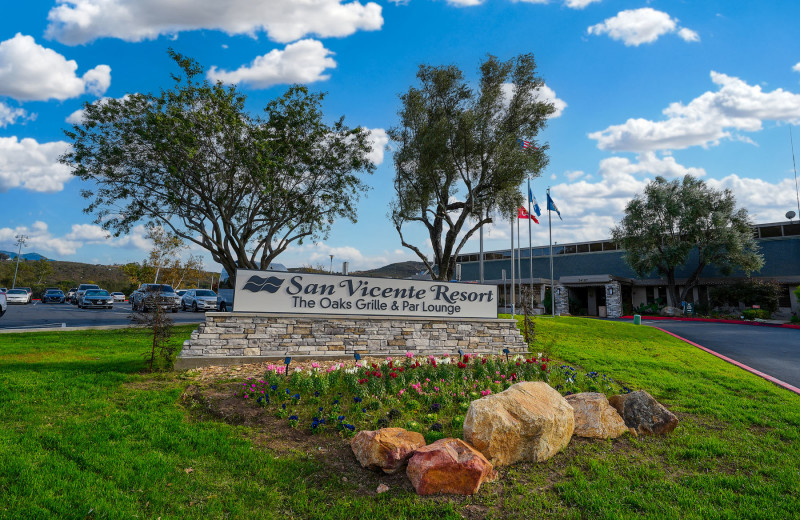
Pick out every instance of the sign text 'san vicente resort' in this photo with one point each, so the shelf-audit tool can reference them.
(270, 291)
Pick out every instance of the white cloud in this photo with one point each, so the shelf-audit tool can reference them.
(300, 62)
(30, 72)
(88, 233)
(572, 175)
(705, 120)
(634, 27)
(318, 254)
(9, 115)
(579, 4)
(40, 239)
(465, 3)
(32, 165)
(80, 21)
(545, 94)
(766, 201)
(76, 117)
(379, 140)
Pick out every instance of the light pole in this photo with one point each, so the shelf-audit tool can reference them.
(331, 263)
(20, 242)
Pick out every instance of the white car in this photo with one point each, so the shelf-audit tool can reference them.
(199, 300)
(3, 303)
(20, 296)
(118, 296)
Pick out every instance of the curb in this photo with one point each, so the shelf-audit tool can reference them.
(718, 320)
(768, 377)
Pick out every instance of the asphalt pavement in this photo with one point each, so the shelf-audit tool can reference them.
(772, 350)
(37, 315)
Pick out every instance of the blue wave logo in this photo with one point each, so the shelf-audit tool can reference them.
(258, 284)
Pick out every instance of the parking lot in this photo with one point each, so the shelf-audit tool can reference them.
(36, 315)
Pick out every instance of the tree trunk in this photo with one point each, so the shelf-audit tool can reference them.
(672, 289)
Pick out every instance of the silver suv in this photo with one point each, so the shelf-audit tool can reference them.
(199, 300)
(77, 298)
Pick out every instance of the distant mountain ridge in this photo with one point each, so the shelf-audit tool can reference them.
(26, 256)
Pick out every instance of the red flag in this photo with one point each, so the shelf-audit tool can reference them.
(522, 213)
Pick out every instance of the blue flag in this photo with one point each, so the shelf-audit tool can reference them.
(535, 204)
(552, 206)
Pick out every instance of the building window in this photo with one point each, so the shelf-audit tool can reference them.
(791, 230)
(568, 250)
(785, 298)
(609, 246)
(597, 246)
(650, 296)
(770, 231)
(583, 248)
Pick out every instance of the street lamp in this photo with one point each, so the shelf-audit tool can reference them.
(21, 239)
(331, 263)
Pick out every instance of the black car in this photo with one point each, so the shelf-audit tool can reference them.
(53, 296)
(96, 298)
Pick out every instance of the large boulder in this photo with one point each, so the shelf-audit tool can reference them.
(671, 311)
(643, 413)
(529, 421)
(386, 449)
(594, 417)
(449, 466)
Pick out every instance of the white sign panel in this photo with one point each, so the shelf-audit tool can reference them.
(281, 292)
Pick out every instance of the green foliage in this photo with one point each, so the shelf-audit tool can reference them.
(752, 314)
(662, 226)
(764, 293)
(193, 160)
(458, 158)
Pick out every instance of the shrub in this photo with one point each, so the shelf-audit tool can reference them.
(752, 314)
(765, 293)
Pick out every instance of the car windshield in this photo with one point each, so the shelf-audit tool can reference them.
(96, 293)
(160, 288)
(54, 292)
(117, 294)
(205, 293)
(17, 291)
(86, 287)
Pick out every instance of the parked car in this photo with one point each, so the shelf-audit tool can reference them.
(3, 303)
(28, 290)
(199, 300)
(149, 294)
(53, 296)
(181, 292)
(118, 296)
(96, 298)
(82, 288)
(19, 296)
(71, 293)
(3, 290)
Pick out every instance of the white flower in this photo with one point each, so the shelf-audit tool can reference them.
(445, 361)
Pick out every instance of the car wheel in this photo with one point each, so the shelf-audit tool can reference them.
(183, 305)
(194, 306)
(223, 307)
(174, 309)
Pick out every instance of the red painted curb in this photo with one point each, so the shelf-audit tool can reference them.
(718, 320)
(768, 377)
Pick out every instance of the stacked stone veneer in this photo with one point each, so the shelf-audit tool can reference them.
(249, 335)
(613, 300)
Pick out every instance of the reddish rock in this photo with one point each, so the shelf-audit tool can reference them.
(594, 417)
(449, 466)
(643, 413)
(386, 449)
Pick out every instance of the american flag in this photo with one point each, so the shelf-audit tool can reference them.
(526, 144)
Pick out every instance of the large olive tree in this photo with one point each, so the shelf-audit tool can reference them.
(663, 225)
(458, 158)
(193, 160)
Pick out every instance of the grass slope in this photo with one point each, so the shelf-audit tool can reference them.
(83, 434)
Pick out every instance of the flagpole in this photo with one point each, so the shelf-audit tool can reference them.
(530, 239)
(512, 268)
(519, 256)
(552, 279)
(480, 264)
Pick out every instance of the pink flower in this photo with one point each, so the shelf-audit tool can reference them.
(409, 355)
(436, 388)
(427, 380)
(503, 376)
(315, 365)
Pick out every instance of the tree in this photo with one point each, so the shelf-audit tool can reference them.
(41, 270)
(192, 160)
(3, 256)
(671, 219)
(458, 159)
(164, 262)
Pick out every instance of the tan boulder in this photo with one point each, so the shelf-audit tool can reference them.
(529, 421)
(386, 449)
(594, 417)
(449, 466)
(643, 413)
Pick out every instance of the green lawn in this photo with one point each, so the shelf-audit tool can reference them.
(84, 434)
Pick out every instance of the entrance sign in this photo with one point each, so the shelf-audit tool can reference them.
(301, 293)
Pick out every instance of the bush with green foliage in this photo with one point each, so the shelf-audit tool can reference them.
(764, 293)
(752, 314)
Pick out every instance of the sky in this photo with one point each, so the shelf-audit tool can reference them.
(642, 88)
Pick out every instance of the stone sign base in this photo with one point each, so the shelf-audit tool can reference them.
(228, 338)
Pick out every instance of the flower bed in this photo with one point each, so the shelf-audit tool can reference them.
(429, 395)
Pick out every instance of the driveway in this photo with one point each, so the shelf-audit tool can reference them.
(772, 350)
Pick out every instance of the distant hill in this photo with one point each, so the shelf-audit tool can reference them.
(396, 270)
(26, 256)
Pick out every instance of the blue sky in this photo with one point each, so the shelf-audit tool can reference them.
(643, 88)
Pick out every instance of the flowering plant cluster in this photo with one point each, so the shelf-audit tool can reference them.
(429, 395)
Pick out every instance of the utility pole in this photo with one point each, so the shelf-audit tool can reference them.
(21, 239)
